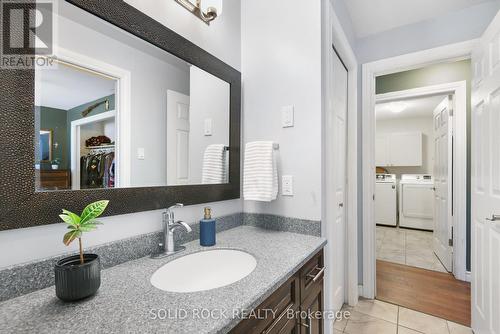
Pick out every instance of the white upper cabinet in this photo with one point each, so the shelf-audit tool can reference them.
(399, 149)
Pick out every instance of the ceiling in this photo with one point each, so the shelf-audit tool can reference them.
(414, 108)
(67, 87)
(370, 17)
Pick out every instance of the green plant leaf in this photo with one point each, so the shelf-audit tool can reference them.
(70, 236)
(68, 220)
(74, 216)
(88, 227)
(93, 211)
(92, 222)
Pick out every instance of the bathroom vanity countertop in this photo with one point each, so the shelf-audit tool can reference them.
(128, 303)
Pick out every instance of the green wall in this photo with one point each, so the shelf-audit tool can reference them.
(76, 113)
(55, 119)
(59, 121)
(433, 75)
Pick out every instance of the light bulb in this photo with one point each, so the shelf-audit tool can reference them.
(206, 4)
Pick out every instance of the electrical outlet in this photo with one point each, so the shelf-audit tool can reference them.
(287, 185)
(287, 117)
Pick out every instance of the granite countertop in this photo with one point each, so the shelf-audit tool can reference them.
(127, 302)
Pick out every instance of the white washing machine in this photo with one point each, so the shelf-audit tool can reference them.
(416, 201)
(386, 200)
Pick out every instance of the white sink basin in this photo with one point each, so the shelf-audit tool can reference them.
(204, 271)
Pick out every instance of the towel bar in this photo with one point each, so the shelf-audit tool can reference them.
(275, 146)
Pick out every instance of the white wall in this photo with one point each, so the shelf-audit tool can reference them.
(222, 38)
(223, 41)
(281, 66)
(209, 100)
(419, 124)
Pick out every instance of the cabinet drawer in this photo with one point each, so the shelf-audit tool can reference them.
(311, 275)
(282, 300)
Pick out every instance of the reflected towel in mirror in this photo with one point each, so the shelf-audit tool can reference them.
(214, 165)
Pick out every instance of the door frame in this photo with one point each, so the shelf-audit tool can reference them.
(371, 70)
(122, 106)
(75, 147)
(333, 36)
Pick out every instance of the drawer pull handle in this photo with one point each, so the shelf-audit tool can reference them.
(318, 275)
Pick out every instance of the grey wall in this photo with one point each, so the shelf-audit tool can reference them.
(209, 99)
(281, 66)
(451, 28)
(433, 75)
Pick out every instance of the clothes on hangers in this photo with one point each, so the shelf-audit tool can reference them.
(97, 170)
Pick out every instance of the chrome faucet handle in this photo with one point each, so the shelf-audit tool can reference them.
(180, 223)
(176, 205)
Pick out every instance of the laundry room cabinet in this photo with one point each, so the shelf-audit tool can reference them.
(398, 149)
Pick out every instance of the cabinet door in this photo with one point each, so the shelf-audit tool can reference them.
(382, 151)
(313, 307)
(283, 302)
(406, 149)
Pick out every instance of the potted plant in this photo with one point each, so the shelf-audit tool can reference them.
(79, 276)
(55, 163)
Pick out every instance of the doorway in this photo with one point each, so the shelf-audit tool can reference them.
(419, 134)
(411, 200)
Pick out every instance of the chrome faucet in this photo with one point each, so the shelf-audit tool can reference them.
(169, 226)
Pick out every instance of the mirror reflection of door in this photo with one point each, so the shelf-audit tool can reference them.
(64, 95)
(110, 113)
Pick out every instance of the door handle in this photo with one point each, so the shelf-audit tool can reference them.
(494, 218)
(341, 205)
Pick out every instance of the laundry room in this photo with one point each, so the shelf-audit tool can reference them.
(404, 200)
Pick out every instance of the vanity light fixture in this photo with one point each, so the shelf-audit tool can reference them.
(213, 9)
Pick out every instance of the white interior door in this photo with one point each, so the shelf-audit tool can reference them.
(178, 128)
(486, 182)
(336, 178)
(443, 162)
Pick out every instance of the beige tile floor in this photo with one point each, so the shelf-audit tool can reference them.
(409, 247)
(376, 317)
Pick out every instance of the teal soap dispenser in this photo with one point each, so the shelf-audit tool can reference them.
(207, 229)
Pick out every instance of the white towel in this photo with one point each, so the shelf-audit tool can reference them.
(260, 174)
(214, 165)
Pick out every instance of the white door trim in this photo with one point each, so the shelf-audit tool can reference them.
(333, 34)
(122, 106)
(370, 72)
(75, 143)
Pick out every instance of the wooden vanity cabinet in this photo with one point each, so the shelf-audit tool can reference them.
(291, 303)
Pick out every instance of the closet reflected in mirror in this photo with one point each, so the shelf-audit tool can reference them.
(103, 120)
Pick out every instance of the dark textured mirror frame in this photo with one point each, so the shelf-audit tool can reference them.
(21, 206)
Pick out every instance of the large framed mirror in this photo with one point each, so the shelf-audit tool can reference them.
(127, 111)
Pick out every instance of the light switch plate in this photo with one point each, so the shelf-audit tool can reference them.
(287, 116)
(208, 127)
(141, 153)
(287, 185)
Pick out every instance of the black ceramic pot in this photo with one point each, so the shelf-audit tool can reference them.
(75, 281)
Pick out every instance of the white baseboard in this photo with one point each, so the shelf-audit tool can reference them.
(468, 276)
